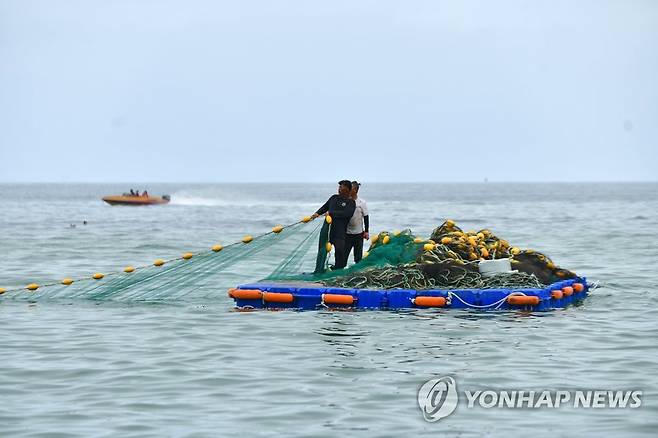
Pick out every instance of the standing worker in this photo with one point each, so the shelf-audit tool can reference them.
(341, 208)
(358, 226)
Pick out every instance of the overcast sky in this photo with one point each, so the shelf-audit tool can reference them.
(200, 91)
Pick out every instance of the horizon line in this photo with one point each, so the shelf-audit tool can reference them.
(331, 182)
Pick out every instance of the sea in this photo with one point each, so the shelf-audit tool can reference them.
(193, 366)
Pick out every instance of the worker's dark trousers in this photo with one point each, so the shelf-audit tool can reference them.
(340, 254)
(354, 241)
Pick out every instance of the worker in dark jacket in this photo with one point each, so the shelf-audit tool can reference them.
(341, 208)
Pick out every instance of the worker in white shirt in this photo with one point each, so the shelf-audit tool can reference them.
(357, 227)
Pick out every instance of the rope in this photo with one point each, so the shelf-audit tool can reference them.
(497, 304)
(411, 276)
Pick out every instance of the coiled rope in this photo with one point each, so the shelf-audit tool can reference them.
(410, 276)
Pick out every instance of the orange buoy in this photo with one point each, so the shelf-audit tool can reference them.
(523, 300)
(32, 286)
(578, 287)
(568, 291)
(277, 229)
(276, 297)
(188, 255)
(245, 294)
(67, 281)
(217, 248)
(328, 219)
(556, 294)
(158, 262)
(97, 276)
(430, 301)
(128, 269)
(337, 299)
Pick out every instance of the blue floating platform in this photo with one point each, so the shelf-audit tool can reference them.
(315, 296)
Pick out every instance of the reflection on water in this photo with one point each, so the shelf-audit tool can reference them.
(340, 332)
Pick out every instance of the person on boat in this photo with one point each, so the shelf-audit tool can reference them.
(358, 226)
(341, 208)
(145, 194)
(132, 192)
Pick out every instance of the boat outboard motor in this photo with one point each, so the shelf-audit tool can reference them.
(167, 197)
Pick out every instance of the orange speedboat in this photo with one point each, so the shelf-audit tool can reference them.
(128, 199)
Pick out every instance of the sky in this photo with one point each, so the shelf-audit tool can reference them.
(309, 91)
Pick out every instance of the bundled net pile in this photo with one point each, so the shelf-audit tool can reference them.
(448, 259)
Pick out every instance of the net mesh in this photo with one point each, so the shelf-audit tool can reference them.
(198, 276)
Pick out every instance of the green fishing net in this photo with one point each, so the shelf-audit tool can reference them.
(301, 252)
(205, 274)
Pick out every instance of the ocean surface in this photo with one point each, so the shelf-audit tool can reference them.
(192, 366)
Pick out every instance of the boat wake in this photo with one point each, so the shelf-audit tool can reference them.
(196, 200)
